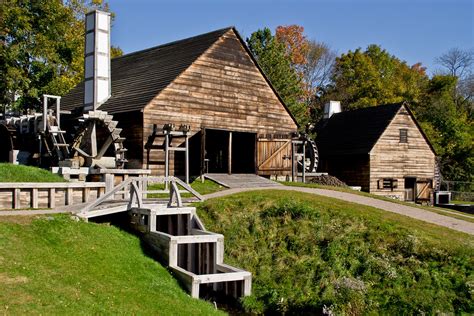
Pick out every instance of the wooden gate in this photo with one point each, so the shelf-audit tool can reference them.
(423, 190)
(274, 157)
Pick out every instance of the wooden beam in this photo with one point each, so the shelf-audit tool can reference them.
(230, 154)
(203, 151)
(167, 163)
(186, 153)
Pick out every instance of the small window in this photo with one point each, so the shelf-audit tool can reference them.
(403, 135)
(387, 183)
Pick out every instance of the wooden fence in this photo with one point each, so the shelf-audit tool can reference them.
(19, 195)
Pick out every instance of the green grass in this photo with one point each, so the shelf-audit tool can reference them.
(203, 188)
(19, 173)
(310, 253)
(461, 202)
(56, 266)
(437, 210)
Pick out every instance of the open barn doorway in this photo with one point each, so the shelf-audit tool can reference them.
(228, 151)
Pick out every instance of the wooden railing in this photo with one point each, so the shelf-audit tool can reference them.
(17, 195)
(135, 190)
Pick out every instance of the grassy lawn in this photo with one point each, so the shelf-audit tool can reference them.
(438, 210)
(19, 173)
(205, 187)
(461, 202)
(56, 266)
(310, 254)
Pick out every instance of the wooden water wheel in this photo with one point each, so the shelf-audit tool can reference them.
(94, 139)
(311, 155)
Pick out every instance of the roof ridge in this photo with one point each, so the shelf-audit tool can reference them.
(371, 108)
(221, 30)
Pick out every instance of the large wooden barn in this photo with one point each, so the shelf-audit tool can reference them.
(382, 149)
(211, 83)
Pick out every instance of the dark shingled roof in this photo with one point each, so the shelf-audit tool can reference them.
(354, 132)
(140, 76)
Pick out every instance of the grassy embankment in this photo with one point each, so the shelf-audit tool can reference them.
(311, 254)
(442, 211)
(19, 173)
(205, 187)
(54, 265)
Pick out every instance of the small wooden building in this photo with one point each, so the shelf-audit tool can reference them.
(381, 149)
(211, 83)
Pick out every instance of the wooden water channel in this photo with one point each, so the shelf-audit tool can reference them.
(177, 236)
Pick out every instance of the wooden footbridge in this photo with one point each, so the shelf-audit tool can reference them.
(176, 235)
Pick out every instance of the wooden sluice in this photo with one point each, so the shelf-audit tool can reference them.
(178, 237)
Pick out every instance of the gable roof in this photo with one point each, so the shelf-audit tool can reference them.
(140, 76)
(354, 132)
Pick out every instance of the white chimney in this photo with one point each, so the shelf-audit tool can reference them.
(331, 108)
(96, 59)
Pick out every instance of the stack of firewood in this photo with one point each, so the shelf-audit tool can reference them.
(328, 180)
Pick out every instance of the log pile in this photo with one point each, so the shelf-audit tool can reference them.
(328, 180)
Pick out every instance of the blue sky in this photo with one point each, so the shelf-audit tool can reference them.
(415, 31)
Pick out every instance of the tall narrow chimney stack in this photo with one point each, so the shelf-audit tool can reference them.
(96, 59)
(331, 108)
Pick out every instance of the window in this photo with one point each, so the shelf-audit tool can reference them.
(403, 135)
(387, 183)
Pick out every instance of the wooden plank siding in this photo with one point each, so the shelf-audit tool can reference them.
(222, 89)
(389, 158)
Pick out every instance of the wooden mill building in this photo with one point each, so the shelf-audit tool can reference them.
(211, 83)
(382, 149)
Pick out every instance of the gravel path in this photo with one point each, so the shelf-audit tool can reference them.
(414, 212)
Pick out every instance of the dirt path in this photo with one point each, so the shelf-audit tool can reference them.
(414, 212)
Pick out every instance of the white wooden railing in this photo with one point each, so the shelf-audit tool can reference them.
(16, 195)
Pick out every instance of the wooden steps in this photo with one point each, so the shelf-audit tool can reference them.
(194, 254)
(241, 180)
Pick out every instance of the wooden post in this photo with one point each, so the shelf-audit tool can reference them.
(230, 154)
(186, 153)
(167, 153)
(304, 162)
(203, 152)
(34, 198)
(85, 195)
(45, 113)
(68, 196)
(255, 153)
(16, 198)
(52, 198)
(93, 143)
(293, 160)
(58, 118)
(126, 195)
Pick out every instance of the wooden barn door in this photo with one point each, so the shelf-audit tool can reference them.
(274, 156)
(423, 190)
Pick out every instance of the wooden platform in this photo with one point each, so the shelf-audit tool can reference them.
(241, 180)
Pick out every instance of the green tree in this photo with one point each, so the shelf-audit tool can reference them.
(42, 48)
(373, 77)
(272, 58)
(446, 121)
